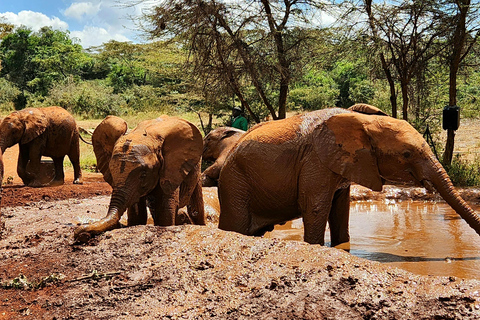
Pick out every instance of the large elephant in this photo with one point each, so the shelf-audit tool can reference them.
(50, 132)
(216, 145)
(302, 167)
(157, 163)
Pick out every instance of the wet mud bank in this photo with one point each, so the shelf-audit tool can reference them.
(392, 192)
(196, 272)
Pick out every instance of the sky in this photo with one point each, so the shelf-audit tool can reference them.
(91, 22)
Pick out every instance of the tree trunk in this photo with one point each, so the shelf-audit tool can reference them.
(404, 86)
(456, 58)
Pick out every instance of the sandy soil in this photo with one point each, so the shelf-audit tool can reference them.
(193, 272)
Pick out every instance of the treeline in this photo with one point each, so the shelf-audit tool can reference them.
(333, 68)
(49, 68)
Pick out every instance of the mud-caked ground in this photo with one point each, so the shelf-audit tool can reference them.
(197, 272)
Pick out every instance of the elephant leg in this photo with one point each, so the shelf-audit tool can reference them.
(22, 162)
(166, 207)
(196, 208)
(74, 157)
(314, 224)
(33, 160)
(59, 177)
(137, 213)
(339, 217)
(234, 202)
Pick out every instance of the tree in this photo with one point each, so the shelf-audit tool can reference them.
(407, 35)
(33, 61)
(462, 38)
(237, 45)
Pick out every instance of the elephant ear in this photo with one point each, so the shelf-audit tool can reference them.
(181, 151)
(367, 109)
(35, 122)
(343, 145)
(104, 138)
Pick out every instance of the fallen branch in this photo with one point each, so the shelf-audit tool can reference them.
(95, 275)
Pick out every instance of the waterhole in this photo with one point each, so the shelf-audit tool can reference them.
(427, 238)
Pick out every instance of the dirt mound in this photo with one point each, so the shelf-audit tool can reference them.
(196, 272)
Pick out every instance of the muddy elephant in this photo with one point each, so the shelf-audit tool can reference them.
(216, 145)
(156, 164)
(50, 132)
(303, 166)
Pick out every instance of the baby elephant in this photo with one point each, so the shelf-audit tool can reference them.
(216, 146)
(157, 163)
(50, 132)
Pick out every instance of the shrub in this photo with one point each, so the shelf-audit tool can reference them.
(464, 173)
(8, 94)
(91, 99)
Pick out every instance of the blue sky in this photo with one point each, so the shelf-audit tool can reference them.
(92, 22)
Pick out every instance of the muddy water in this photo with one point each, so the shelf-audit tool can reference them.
(426, 238)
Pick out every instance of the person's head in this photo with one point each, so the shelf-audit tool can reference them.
(236, 111)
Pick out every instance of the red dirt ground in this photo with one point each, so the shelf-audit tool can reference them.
(16, 194)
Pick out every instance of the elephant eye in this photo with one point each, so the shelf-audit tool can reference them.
(407, 154)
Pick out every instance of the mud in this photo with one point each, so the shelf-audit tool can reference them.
(194, 272)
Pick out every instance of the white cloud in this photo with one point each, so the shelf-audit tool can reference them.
(79, 9)
(34, 20)
(95, 36)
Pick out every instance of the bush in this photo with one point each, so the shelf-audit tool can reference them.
(91, 99)
(313, 98)
(145, 98)
(464, 173)
(8, 94)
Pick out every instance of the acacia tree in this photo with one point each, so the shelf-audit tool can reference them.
(238, 45)
(407, 36)
(462, 36)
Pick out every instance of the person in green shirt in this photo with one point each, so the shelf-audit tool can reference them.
(238, 120)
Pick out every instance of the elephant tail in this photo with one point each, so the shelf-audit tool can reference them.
(85, 131)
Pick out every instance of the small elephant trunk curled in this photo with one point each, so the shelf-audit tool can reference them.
(111, 221)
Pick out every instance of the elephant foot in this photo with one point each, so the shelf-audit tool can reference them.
(78, 181)
(36, 184)
(56, 183)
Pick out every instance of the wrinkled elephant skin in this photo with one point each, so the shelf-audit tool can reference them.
(156, 165)
(303, 166)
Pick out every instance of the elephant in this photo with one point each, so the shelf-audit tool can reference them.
(216, 145)
(303, 166)
(51, 132)
(157, 164)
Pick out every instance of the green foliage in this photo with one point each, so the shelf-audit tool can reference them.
(8, 93)
(317, 90)
(352, 83)
(464, 173)
(35, 61)
(92, 99)
(22, 283)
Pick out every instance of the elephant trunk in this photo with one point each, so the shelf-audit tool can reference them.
(442, 183)
(118, 205)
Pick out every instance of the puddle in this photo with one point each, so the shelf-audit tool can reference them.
(427, 238)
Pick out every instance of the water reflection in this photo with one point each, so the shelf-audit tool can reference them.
(422, 237)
